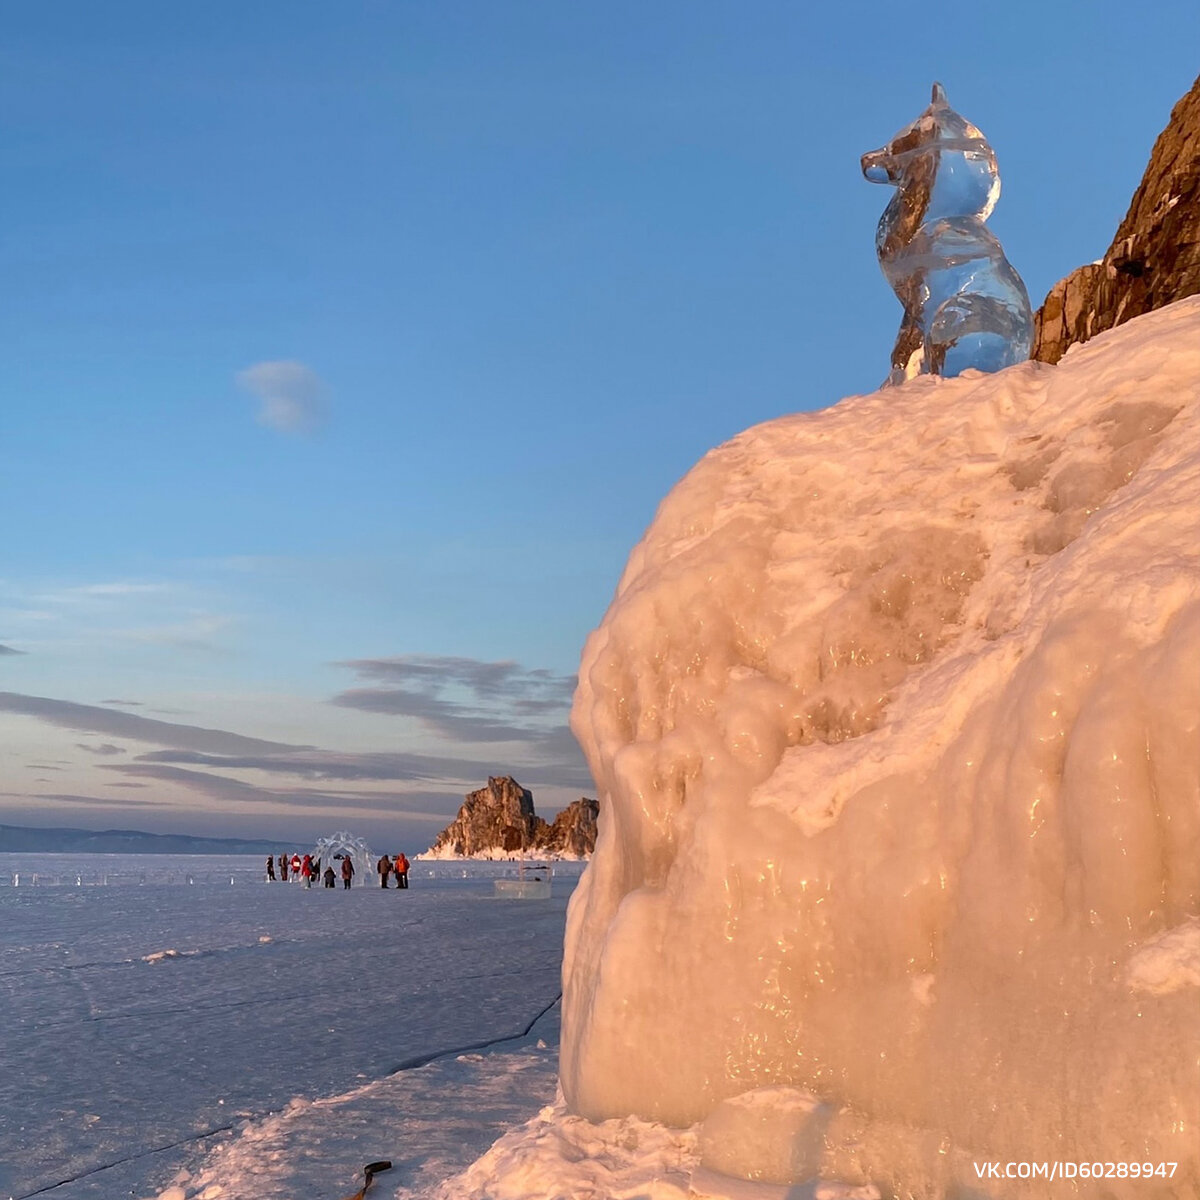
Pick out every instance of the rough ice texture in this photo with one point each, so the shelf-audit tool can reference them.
(1168, 962)
(896, 722)
(964, 304)
(779, 1130)
(559, 1156)
(1154, 258)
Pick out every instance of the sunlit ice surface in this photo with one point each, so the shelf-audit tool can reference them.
(162, 1012)
(965, 306)
(895, 718)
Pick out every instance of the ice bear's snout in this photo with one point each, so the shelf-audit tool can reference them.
(876, 165)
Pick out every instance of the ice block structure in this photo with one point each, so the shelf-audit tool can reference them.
(346, 845)
(895, 718)
(964, 304)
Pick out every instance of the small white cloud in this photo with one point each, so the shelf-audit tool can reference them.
(291, 395)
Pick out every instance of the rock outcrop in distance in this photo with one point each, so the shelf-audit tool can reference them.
(573, 832)
(499, 820)
(1154, 259)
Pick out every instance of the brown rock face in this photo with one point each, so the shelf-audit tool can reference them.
(573, 831)
(1153, 260)
(496, 818)
(500, 819)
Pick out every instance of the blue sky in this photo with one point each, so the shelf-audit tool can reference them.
(349, 348)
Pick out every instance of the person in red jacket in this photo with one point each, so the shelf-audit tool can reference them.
(296, 866)
(400, 866)
(306, 869)
(347, 871)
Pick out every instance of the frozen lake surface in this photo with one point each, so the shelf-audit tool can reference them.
(147, 1023)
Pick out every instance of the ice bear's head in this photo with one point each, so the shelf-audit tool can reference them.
(943, 155)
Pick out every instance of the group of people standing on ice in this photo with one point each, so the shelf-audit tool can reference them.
(397, 866)
(307, 868)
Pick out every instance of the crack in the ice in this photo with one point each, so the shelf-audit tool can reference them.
(196, 1137)
(422, 1060)
(407, 1064)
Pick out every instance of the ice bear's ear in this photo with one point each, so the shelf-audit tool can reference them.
(939, 95)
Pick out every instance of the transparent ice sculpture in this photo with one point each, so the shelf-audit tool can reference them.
(348, 846)
(964, 304)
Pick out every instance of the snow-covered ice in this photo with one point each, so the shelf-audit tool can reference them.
(247, 1033)
(895, 719)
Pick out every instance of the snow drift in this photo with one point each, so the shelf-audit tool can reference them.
(896, 721)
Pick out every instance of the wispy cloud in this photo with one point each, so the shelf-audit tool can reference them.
(546, 756)
(385, 766)
(503, 680)
(10, 650)
(450, 720)
(464, 699)
(91, 718)
(69, 615)
(101, 801)
(291, 395)
(239, 793)
(104, 596)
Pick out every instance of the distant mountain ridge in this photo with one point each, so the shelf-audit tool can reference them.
(21, 839)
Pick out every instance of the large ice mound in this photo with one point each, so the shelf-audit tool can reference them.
(896, 720)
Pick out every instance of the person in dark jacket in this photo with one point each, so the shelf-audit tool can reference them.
(329, 877)
(283, 866)
(347, 871)
(384, 867)
(401, 869)
(270, 869)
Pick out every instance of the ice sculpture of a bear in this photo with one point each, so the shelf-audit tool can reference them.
(964, 304)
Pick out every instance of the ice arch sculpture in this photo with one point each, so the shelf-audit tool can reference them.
(895, 719)
(351, 847)
(964, 304)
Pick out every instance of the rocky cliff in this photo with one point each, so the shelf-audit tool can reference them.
(1154, 258)
(573, 833)
(500, 819)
